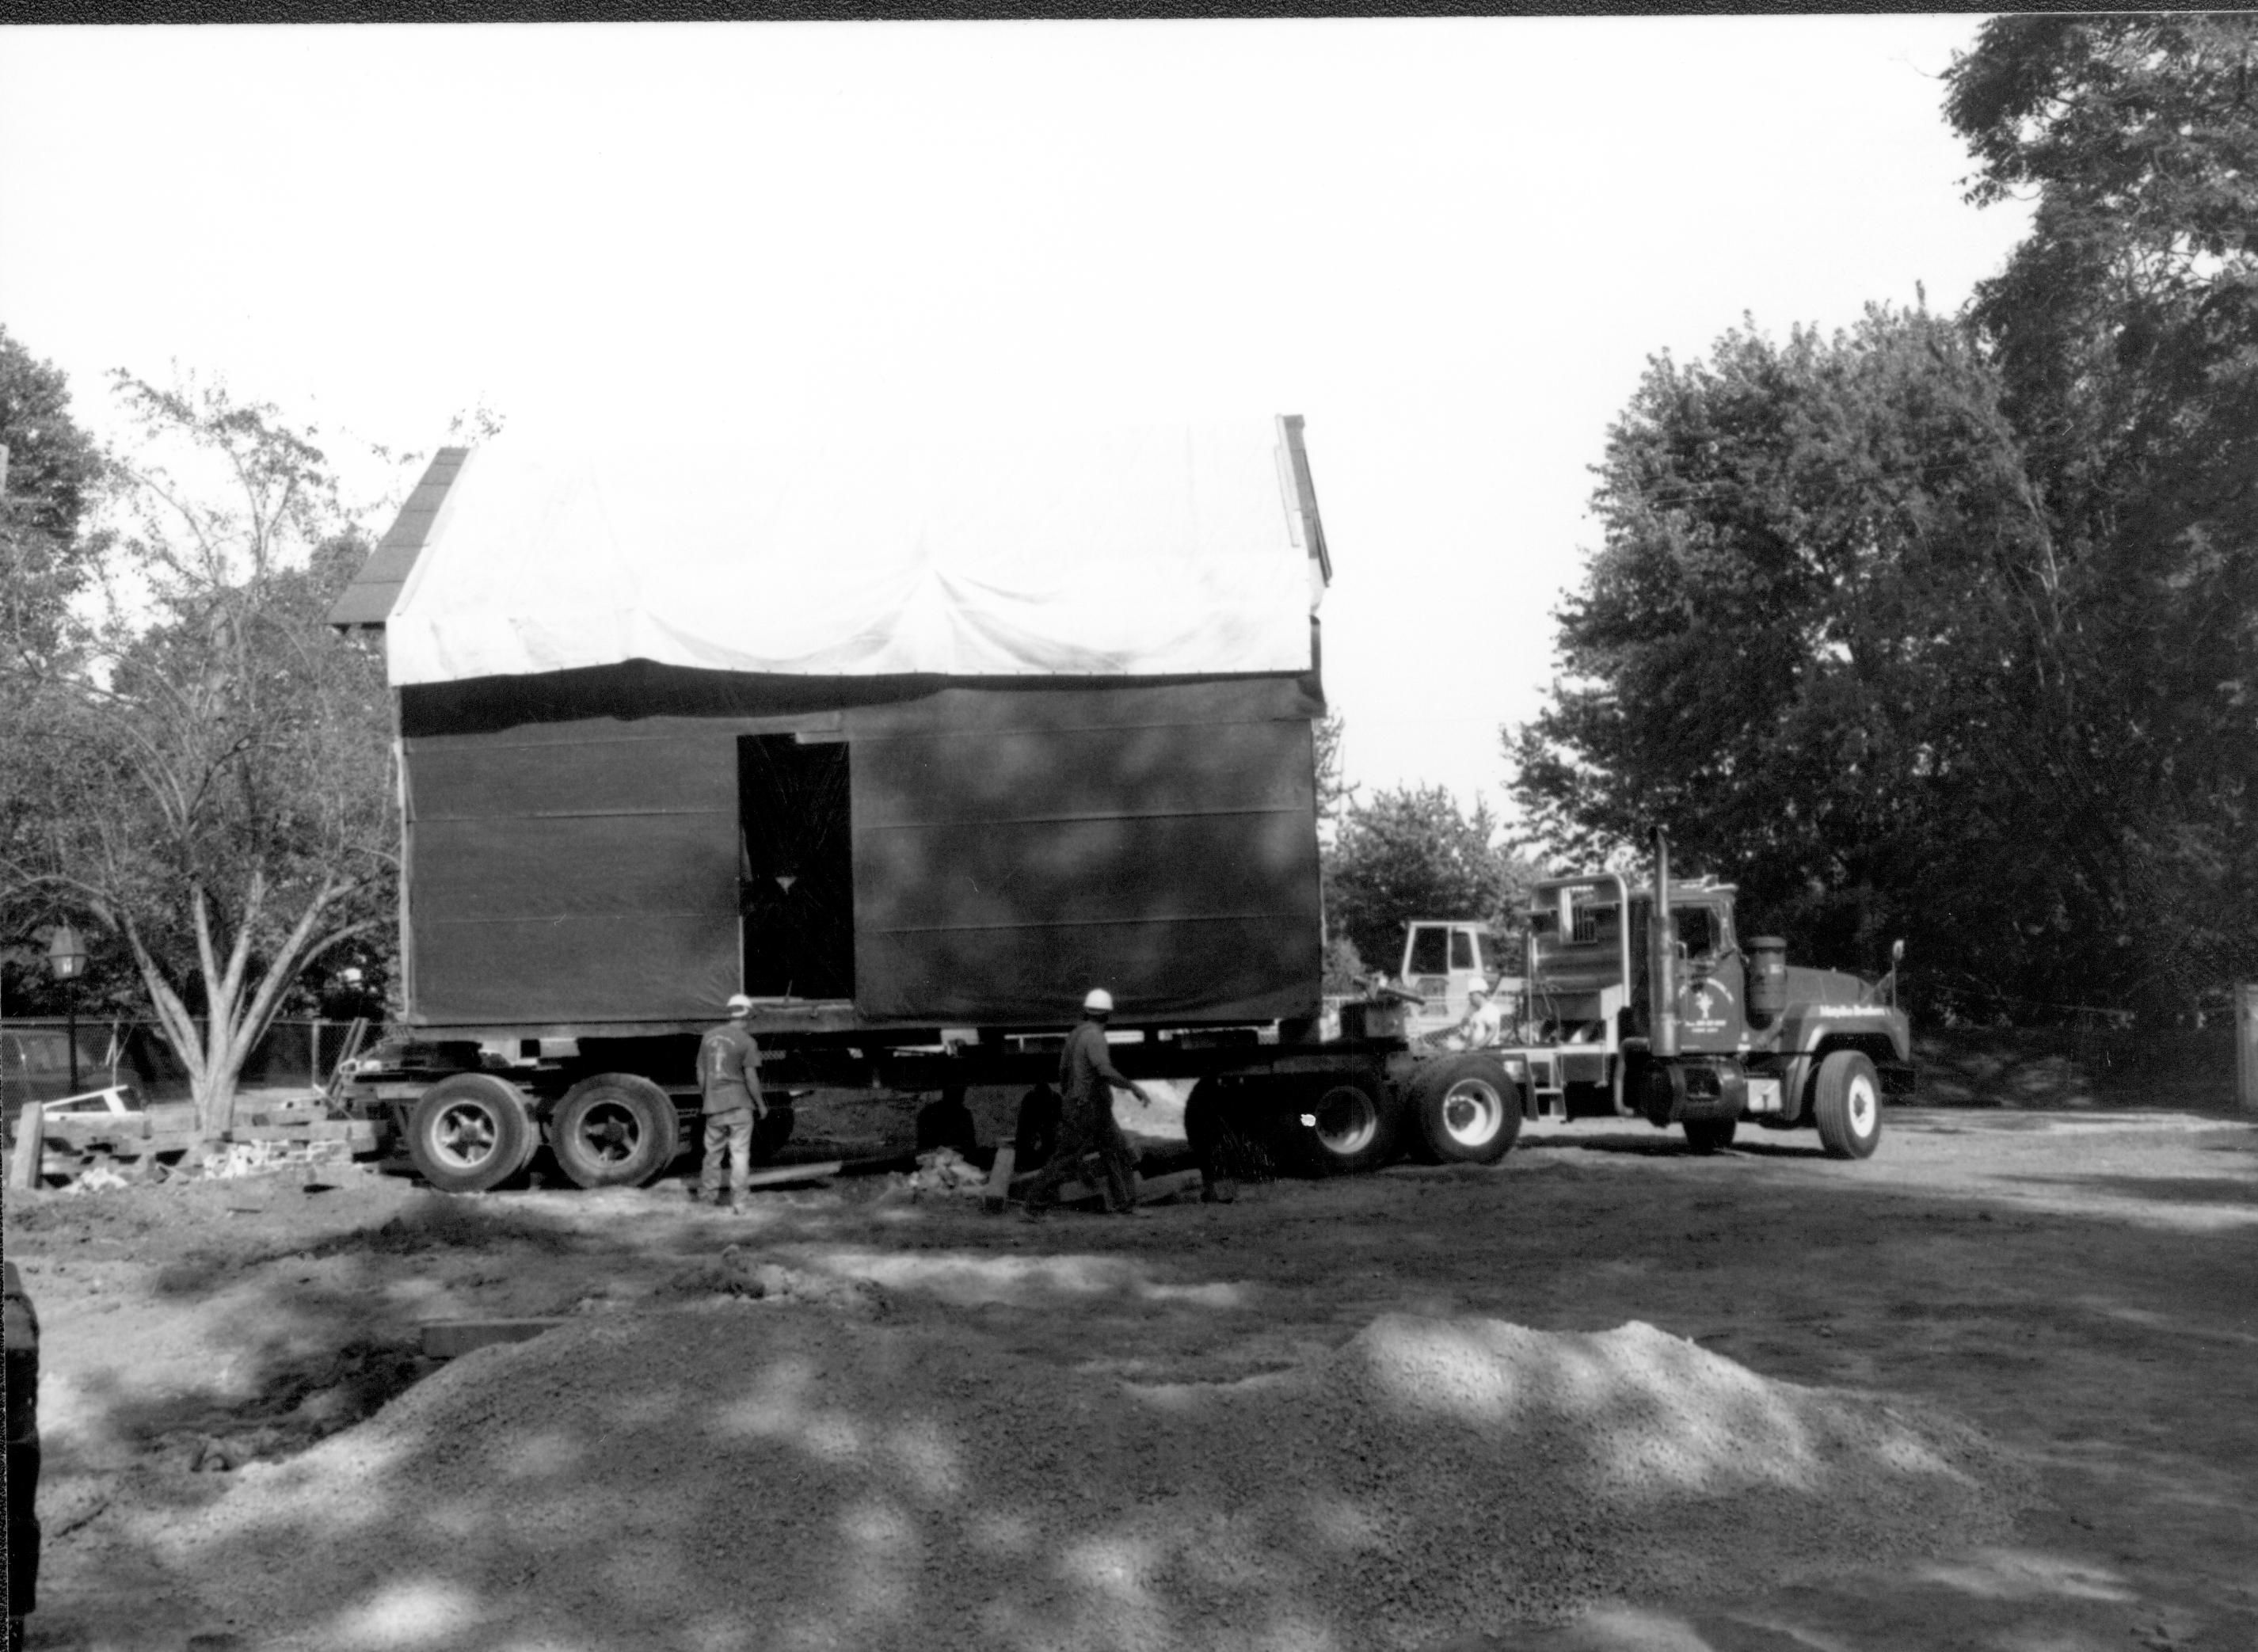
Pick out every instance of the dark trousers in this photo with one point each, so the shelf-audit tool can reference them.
(1089, 1137)
(23, 1369)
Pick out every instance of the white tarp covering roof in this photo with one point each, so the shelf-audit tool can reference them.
(1076, 551)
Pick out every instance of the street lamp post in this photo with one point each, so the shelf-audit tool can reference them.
(67, 961)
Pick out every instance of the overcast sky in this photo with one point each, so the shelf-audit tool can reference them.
(1451, 244)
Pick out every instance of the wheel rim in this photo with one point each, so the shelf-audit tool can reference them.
(609, 1132)
(1347, 1121)
(1863, 1106)
(464, 1136)
(1473, 1112)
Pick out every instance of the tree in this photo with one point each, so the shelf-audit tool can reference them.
(217, 787)
(1944, 627)
(1334, 793)
(2125, 330)
(1826, 643)
(1412, 852)
(52, 469)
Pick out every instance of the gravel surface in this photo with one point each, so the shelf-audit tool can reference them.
(743, 1471)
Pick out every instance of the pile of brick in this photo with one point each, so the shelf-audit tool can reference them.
(280, 1134)
(100, 1137)
(101, 1140)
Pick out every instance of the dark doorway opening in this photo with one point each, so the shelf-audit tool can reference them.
(796, 868)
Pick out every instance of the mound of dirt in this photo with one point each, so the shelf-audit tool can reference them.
(743, 1473)
(739, 1273)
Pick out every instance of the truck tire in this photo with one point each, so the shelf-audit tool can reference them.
(1357, 1125)
(614, 1131)
(1847, 1105)
(1710, 1135)
(1224, 1127)
(1469, 1111)
(471, 1131)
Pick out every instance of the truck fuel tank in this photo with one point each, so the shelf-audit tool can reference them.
(1767, 980)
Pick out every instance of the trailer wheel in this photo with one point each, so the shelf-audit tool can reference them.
(469, 1132)
(1223, 1127)
(1356, 1126)
(615, 1130)
(1469, 1111)
(1847, 1105)
(1708, 1135)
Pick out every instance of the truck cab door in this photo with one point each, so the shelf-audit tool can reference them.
(1712, 979)
(1441, 963)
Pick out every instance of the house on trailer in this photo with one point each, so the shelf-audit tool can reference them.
(933, 734)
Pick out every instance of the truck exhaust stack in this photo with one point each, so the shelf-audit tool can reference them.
(1662, 958)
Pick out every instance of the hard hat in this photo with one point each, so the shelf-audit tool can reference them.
(739, 1003)
(1098, 998)
(1480, 988)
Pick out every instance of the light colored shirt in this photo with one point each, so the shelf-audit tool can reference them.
(728, 1063)
(1085, 1068)
(1480, 1029)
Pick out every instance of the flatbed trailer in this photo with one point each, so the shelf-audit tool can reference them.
(968, 765)
(914, 756)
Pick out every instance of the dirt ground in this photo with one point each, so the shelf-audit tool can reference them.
(2082, 1286)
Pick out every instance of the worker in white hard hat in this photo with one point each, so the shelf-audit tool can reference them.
(1087, 1080)
(1480, 1027)
(729, 1077)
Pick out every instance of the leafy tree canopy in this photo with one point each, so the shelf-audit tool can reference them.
(1819, 563)
(1409, 852)
(210, 787)
(2125, 330)
(1949, 627)
(51, 471)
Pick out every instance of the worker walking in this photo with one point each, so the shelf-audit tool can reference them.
(1087, 1080)
(730, 1076)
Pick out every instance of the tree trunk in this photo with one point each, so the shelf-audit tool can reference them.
(214, 1053)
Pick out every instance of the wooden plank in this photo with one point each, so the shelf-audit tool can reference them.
(1148, 1189)
(786, 1176)
(112, 1099)
(999, 1178)
(30, 1148)
(313, 1130)
(154, 1146)
(1177, 1183)
(85, 1129)
(288, 1113)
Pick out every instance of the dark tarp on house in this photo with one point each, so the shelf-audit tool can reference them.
(630, 792)
(1014, 843)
